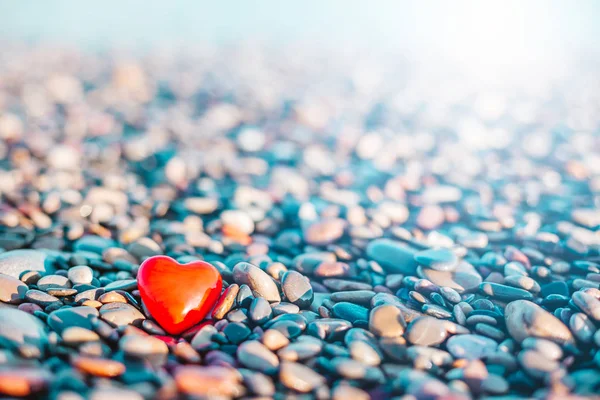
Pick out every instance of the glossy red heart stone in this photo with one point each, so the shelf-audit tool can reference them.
(178, 296)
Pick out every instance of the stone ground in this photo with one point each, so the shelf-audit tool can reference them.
(378, 236)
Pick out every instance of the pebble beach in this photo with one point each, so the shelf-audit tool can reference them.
(378, 237)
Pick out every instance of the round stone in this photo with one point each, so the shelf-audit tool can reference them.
(98, 366)
(40, 298)
(145, 348)
(297, 289)
(81, 274)
(260, 311)
(350, 312)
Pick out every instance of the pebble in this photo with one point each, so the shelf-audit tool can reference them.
(274, 339)
(256, 356)
(24, 381)
(299, 377)
(40, 298)
(503, 292)
(16, 262)
(76, 335)
(350, 312)
(145, 348)
(464, 278)
(471, 347)
(588, 304)
(426, 331)
(226, 302)
(64, 318)
(120, 314)
(99, 367)
(53, 281)
(386, 321)
(215, 381)
(260, 311)
(360, 297)
(257, 280)
(18, 328)
(12, 290)
(526, 319)
(297, 289)
(325, 232)
(393, 256)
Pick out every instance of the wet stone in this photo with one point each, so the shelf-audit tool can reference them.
(324, 232)
(297, 289)
(236, 332)
(464, 278)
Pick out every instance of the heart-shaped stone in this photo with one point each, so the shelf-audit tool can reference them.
(178, 296)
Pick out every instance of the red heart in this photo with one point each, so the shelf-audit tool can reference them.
(178, 296)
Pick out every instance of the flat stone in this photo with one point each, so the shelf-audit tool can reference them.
(297, 289)
(236, 332)
(393, 256)
(471, 347)
(53, 281)
(120, 314)
(40, 298)
(75, 316)
(15, 262)
(274, 339)
(124, 284)
(100, 367)
(437, 259)
(549, 349)
(12, 290)
(261, 284)
(503, 292)
(526, 319)
(360, 297)
(536, 364)
(76, 335)
(300, 350)
(19, 328)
